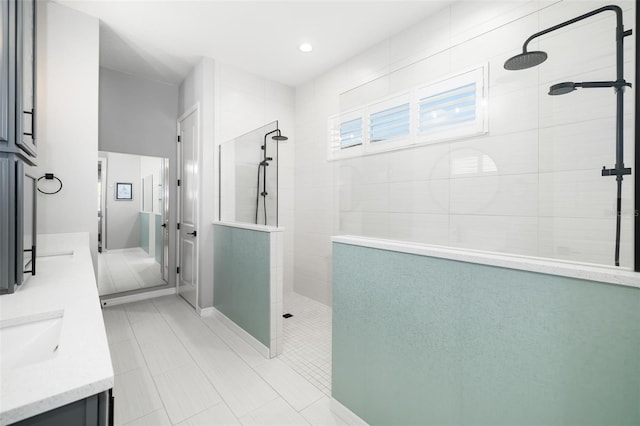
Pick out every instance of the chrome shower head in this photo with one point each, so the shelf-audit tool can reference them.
(562, 88)
(525, 60)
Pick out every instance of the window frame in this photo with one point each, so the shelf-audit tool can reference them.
(480, 125)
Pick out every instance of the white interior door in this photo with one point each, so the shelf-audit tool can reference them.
(188, 234)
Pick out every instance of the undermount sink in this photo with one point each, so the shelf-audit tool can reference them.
(29, 339)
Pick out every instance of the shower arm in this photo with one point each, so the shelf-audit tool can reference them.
(619, 84)
(620, 33)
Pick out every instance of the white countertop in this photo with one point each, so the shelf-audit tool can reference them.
(585, 271)
(81, 366)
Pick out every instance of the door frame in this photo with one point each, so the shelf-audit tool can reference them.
(103, 161)
(193, 109)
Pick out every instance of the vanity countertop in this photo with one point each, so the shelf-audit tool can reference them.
(81, 366)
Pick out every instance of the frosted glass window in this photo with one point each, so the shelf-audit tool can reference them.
(351, 133)
(390, 123)
(449, 108)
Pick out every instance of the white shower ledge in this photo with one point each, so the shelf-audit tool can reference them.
(82, 365)
(251, 226)
(583, 271)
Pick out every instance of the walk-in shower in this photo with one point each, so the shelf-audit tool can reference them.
(249, 179)
(262, 167)
(528, 59)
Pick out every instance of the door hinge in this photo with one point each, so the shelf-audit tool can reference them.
(178, 182)
(178, 226)
(178, 270)
(179, 138)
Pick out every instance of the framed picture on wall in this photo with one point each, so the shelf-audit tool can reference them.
(124, 191)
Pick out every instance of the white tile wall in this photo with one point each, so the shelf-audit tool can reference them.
(536, 171)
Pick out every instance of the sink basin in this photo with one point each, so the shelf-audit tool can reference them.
(29, 339)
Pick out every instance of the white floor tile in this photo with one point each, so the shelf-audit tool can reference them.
(276, 413)
(116, 324)
(141, 311)
(319, 413)
(218, 415)
(157, 418)
(126, 356)
(135, 396)
(161, 348)
(185, 392)
(240, 386)
(205, 374)
(298, 392)
(239, 346)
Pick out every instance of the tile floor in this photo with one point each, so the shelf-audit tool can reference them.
(173, 367)
(307, 340)
(127, 269)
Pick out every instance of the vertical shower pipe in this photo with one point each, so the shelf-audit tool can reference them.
(619, 170)
(637, 162)
(264, 177)
(619, 85)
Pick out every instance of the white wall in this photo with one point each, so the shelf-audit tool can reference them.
(138, 116)
(153, 166)
(67, 120)
(198, 89)
(547, 198)
(122, 216)
(245, 102)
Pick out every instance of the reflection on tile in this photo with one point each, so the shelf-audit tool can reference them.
(365, 224)
(276, 413)
(581, 193)
(185, 392)
(218, 415)
(565, 238)
(135, 396)
(504, 234)
(513, 195)
(420, 163)
(583, 146)
(419, 228)
(514, 153)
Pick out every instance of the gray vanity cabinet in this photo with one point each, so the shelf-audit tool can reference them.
(17, 141)
(17, 79)
(92, 411)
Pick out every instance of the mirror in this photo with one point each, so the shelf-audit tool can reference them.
(132, 216)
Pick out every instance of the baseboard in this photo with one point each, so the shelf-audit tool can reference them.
(347, 415)
(119, 300)
(206, 312)
(252, 341)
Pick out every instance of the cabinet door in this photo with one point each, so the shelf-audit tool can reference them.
(26, 99)
(4, 71)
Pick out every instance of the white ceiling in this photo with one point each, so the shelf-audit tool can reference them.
(162, 39)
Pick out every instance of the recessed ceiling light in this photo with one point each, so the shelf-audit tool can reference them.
(305, 47)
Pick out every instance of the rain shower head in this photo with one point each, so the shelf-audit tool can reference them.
(279, 138)
(562, 88)
(525, 60)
